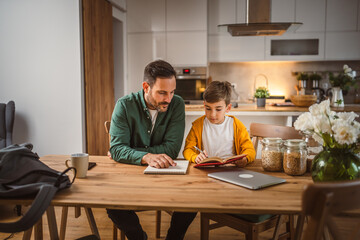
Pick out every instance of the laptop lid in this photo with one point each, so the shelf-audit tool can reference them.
(246, 178)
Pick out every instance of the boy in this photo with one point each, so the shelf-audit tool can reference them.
(216, 133)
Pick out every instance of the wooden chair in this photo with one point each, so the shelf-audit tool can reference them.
(321, 202)
(251, 229)
(158, 213)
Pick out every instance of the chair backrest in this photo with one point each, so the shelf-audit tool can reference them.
(259, 131)
(322, 201)
(7, 116)
(107, 128)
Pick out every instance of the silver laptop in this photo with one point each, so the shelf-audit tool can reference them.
(246, 178)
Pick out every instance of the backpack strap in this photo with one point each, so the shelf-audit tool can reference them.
(37, 209)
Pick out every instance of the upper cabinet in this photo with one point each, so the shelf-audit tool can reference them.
(181, 28)
(312, 14)
(341, 15)
(330, 31)
(186, 15)
(145, 16)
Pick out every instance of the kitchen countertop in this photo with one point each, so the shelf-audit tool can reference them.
(253, 110)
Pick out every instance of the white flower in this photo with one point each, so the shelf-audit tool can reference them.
(349, 117)
(344, 133)
(304, 122)
(322, 124)
(347, 69)
(320, 109)
(318, 138)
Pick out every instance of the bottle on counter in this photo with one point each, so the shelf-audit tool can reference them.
(295, 157)
(272, 154)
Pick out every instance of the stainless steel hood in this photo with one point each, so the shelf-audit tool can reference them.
(258, 22)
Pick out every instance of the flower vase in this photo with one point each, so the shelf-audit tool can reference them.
(337, 99)
(260, 102)
(335, 165)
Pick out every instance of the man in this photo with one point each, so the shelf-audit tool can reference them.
(147, 127)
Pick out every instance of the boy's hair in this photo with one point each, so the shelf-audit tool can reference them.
(158, 69)
(217, 91)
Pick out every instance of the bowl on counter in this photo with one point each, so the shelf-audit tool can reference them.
(303, 100)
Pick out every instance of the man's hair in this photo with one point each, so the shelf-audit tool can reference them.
(158, 69)
(218, 91)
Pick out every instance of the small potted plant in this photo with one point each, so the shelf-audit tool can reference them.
(261, 94)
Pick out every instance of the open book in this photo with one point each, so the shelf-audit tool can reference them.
(216, 161)
(180, 168)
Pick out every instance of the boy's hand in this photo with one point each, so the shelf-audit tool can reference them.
(201, 157)
(242, 162)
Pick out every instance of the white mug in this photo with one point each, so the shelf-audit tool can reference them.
(80, 161)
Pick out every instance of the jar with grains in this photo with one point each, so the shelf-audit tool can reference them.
(295, 155)
(272, 154)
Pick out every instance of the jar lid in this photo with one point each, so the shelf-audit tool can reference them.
(295, 143)
(272, 141)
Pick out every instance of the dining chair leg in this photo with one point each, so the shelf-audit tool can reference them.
(50, 212)
(122, 235)
(38, 230)
(279, 221)
(27, 234)
(299, 227)
(158, 224)
(115, 231)
(204, 227)
(92, 223)
(64, 215)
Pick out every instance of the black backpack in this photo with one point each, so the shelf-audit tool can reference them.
(23, 175)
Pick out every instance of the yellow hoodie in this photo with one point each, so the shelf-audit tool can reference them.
(242, 142)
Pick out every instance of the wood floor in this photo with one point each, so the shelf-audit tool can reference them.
(79, 227)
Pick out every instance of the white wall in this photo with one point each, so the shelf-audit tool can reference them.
(40, 69)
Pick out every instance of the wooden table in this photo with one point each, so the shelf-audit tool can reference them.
(115, 185)
(122, 186)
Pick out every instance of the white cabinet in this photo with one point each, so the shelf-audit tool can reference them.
(312, 14)
(341, 15)
(221, 12)
(234, 49)
(283, 10)
(142, 49)
(145, 16)
(342, 46)
(186, 15)
(187, 48)
(316, 45)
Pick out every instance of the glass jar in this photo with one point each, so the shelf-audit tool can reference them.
(295, 156)
(272, 154)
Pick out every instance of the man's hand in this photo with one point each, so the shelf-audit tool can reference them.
(201, 156)
(242, 162)
(157, 160)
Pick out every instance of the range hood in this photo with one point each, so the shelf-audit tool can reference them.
(258, 22)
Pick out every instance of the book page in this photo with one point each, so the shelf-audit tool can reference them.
(180, 168)
(237, 157)
(212, 159)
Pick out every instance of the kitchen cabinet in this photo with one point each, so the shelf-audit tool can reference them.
(142, 49)
(221, 12)
(175, 31)
(145, 16)
(342, 46)
(235, 49)
(186, 15)
(283, 10)
(312, 14)
(341, 16)
(296, 56)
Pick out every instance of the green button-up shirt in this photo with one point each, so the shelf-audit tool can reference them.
(130, 129)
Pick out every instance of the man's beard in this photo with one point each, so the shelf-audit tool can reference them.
(157, 106)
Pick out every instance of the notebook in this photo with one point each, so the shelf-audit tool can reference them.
(246, 178)
(180, 168)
